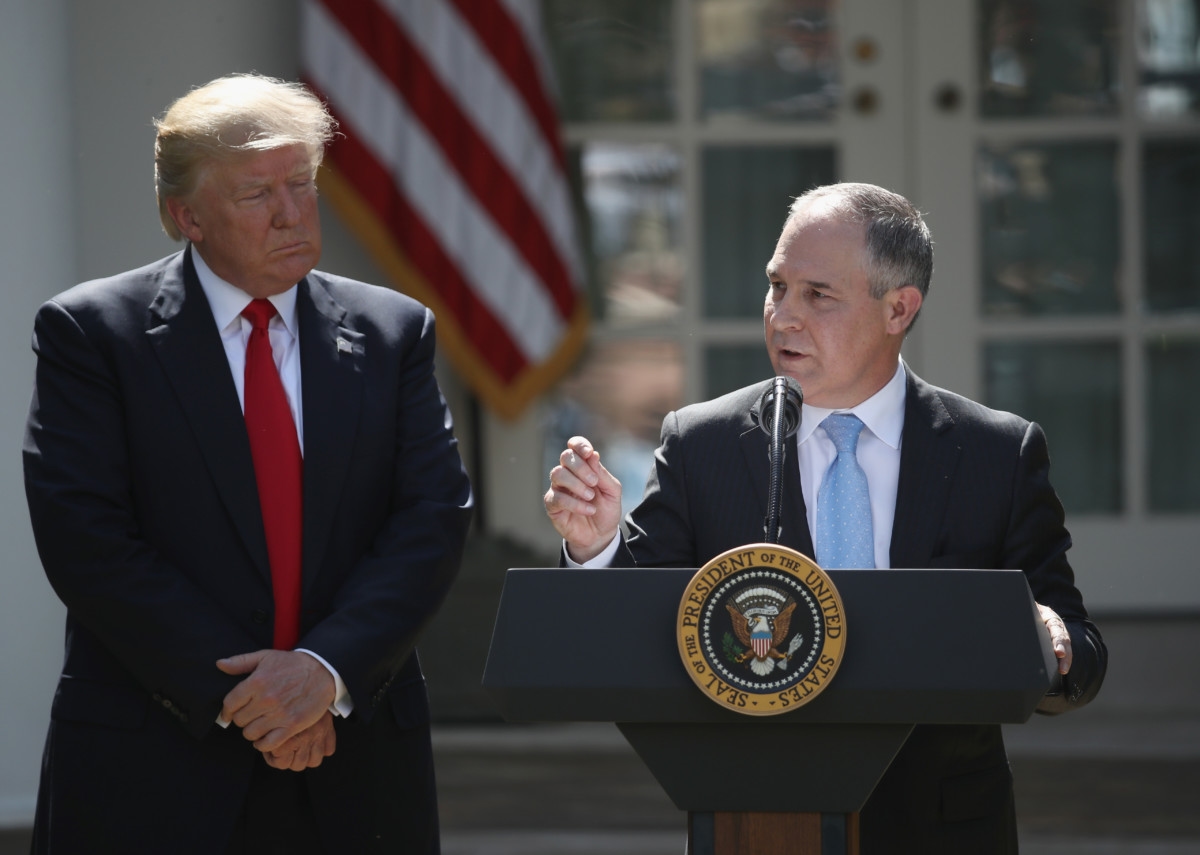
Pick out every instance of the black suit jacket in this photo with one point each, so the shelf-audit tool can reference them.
(145, 512)
(973, 493)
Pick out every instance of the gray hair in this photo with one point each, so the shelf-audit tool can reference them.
(231, 115)
(899, 249)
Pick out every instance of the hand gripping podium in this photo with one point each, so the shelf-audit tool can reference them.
(922, 646)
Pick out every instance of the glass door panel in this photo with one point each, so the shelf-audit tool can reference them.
(747, 192)
(1171, 214)
(767, 59)
(1049, 228)
(1047, 57)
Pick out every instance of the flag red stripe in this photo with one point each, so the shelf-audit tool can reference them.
(505, 41)
(400, 62)
(356, 162)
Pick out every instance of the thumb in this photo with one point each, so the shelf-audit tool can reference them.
(243, 663)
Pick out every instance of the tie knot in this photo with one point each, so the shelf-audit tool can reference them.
(259, 313)
(843, 429)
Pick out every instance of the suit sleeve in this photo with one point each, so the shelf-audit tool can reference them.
(1038, 543)
(392, 591)
(153, 622)
(658, 532)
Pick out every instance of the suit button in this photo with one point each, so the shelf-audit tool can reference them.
(259, 616)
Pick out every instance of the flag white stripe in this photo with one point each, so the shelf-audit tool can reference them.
(382, 122)
(529, 18)
(497, 110)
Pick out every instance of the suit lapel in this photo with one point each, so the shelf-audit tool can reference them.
(756, 454)
(184, 335)
(331, 370)
(928, 458)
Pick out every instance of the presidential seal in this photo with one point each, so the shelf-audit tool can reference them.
(761, 629)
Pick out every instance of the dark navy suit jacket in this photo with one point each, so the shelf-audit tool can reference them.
(144, 507)
(973, 492)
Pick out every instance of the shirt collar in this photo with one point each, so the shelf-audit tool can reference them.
(227, 301)
(882, 413)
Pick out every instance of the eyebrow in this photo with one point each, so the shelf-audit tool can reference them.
(773, 274)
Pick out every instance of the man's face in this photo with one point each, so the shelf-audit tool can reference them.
(254, 219)
(822, 326)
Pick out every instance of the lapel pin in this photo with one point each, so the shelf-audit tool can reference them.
(344, 346)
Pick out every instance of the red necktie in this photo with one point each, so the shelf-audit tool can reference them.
(278, 469)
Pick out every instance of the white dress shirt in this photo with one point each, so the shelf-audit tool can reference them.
(878, 454)
(227, 302)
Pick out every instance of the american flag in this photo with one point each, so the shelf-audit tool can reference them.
(451, 172)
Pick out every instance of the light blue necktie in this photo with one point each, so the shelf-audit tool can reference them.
(844, 534)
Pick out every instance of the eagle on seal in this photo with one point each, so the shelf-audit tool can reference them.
(762, 617)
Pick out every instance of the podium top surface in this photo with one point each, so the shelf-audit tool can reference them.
(923, 646)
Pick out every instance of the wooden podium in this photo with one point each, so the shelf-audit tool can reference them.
(923, 646)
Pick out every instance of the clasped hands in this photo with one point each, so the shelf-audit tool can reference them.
(282, 706)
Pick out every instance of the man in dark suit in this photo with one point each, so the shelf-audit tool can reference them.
(243, 591)
(948, 483)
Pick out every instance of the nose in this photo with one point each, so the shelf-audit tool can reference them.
(786, 312)
(287, 210)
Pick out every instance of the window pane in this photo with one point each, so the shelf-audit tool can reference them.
(1174, 366)
(1050, 228)
(767, 59)
(1074, 392)
(612, 59)
(747, 192)
(617, 398)
(1171, 224)
(1168, 59)
(730, 367)
(1048, 57)
(632, 207)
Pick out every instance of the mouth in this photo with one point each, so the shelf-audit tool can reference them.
(294, 246)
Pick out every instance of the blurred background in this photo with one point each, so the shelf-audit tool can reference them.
(1054, 146)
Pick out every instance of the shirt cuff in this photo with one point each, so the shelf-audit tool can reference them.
(604, 559)
(342, 704)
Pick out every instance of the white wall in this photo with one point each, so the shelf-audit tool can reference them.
(37, 258)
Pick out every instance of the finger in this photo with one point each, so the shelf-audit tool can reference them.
(559, 502)
(1060, 637)
(276, 762)
(563, 479)
(243, 663)
(582, 446)
(583, 468)
(1062, 649)
(272, 739)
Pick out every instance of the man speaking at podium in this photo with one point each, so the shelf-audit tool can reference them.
(892, 472)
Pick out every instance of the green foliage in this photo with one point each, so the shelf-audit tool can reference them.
(732, 650)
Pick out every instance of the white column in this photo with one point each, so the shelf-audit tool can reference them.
(37, 257)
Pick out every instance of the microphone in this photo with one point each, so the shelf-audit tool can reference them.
(779, 417)
(781, 403)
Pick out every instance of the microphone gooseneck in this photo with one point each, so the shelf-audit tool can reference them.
(779, 417)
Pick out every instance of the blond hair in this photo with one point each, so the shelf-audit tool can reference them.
(231, 115)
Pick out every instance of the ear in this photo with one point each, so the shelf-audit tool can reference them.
(903, 303)
(184, 216)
